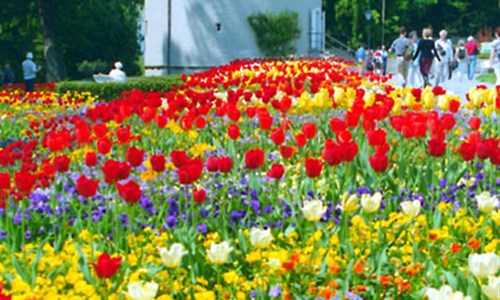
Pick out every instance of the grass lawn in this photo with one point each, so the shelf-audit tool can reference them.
(488, 78)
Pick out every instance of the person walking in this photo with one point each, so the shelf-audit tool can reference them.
(445, 51)
(385, 57)
(399, 46)
(361, 58)
(495, 55)
(462, 59)
(29, 72)
(414, 76)
(472, 52)
(427, 50)
(8, 75)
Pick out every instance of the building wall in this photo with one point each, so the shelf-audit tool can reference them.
(196, 42)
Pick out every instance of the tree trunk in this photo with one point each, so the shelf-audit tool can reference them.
(54, 61)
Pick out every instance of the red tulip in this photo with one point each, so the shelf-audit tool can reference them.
(265, 121)
(436, 147)
(467, 151)
(4, 181)
(106, 266)
(191, 171)
(134, 156)
(376, 137)
(277, 136)
(157, 163)
(100, 130)
(309, 130)
(382, 149)
(5, 158)
(200, 122)
(212, 164)
(179, 158)
(379, 163)
(287, 151)
(332, 153)
(24, 181)
(349, 150)
(130, 192)
(224, 164)
(475, 123)
(234, 114)
(337, 125)
(123, 135)
(485, 148)
(300, 140)
(344, 136)
(233, 131)
(86, 187)
(454, 106)
(61, 163)
(83, 134)
(199, 196)
(254, 158)
(91, 159)
(161, 121)
(114, 171)
(276, 171)
(313, 167)
(447, 122)
(104, 146)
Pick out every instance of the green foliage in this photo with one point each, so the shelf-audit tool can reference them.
(113, 90)
(87, 68)
(461, 18)
(489, 78)
(88, 30)
(275, 32)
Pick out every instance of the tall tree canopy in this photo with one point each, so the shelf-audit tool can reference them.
(64, 33)
(346, 18)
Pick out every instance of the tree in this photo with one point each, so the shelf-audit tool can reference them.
(54, 62)
(66, 33)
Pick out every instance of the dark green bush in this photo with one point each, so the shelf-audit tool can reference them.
(87, 68)
(275, 32)
(113, 90)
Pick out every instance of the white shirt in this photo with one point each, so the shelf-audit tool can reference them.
(446, 45)
(118, 75)
(29, 69)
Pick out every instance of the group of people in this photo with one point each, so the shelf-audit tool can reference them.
(420, 60)
(30, 69)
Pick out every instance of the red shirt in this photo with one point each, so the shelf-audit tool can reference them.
(471, 46)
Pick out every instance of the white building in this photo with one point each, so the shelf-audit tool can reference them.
(194, 35)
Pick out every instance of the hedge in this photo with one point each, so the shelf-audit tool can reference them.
(113, 90)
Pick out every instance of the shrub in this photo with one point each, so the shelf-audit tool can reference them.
(87, 68)
(113, 90)
(275, 32)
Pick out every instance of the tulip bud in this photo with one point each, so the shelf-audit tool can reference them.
(313, 210)
(260, 238)
(218, 254)
(173, 256)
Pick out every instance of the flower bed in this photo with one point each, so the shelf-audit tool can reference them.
(254, 180)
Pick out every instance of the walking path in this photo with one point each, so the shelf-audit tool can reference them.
(454, 86)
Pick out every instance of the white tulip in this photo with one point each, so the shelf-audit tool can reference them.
(445, 293)
(484, 265)
(260, 238)
(486, 203)
(371, 204)
(313, 210)
(411, 208)
(173, 256)
(492, 290)
(218, 254)
(141, 291)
